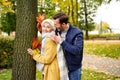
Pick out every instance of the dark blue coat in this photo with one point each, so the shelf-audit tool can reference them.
(73, 48)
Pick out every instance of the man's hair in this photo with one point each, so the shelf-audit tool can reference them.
(63, 18)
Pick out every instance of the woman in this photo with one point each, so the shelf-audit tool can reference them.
(48, 52)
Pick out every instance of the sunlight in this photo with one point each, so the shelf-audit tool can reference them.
(110, 13)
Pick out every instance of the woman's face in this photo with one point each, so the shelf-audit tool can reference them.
(47, 28)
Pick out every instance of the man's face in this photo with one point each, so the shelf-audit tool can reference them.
(58, 25)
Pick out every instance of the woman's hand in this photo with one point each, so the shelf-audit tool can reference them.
(30, 51)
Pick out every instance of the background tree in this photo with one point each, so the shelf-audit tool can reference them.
(70, 7)
(87, 12)
(106, 28)
(23, 65)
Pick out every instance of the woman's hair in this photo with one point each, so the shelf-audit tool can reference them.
(63, 18)
(48, 21)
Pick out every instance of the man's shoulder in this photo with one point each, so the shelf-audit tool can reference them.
(75, 30)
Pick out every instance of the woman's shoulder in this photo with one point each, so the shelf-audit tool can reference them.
(50, 43)
(48, 39)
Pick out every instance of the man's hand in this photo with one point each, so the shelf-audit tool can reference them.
(56, 38)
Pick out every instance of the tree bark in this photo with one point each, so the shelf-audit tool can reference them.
(77, 13)
(86, 20)
(72, 12)
(23, 65)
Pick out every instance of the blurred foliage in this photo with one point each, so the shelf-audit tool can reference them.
(46, 7)
(6, 6)
(80, 15)
(71, 8)
(106, 27)
(7, 16)
(8, 22)
(6, 51)
(88, 9)
(103, 27)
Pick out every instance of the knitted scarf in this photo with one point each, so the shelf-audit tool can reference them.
(44, 38)
(62, 63)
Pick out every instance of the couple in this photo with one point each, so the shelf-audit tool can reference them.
(62, 49)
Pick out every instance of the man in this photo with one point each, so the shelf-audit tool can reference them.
(71, 40)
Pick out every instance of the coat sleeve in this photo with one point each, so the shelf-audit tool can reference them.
(49, 53)
(76, 46)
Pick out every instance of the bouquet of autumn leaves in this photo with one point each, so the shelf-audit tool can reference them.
(36, 44)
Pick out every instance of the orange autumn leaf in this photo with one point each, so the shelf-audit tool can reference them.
(39, 19)
(39, 27)
(35, 43)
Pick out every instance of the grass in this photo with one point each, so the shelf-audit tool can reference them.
(86, 75)
(38, 75)
(93, 75)
(103, 48)
(5, 74)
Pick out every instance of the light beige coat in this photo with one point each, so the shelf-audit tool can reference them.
(49, 59)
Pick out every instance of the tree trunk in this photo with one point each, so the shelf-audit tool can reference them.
(77, 13)
(23, 65)
(86, 35)
(72, 12)
(86, 20)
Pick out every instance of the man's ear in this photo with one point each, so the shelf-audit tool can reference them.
(63, 23)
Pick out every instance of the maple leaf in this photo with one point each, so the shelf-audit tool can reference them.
(39, 19)
(35, 43)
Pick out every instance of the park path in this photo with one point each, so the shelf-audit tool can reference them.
(102, 64)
